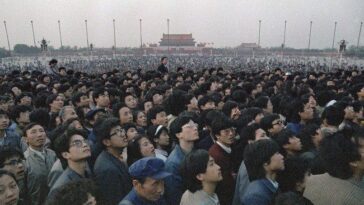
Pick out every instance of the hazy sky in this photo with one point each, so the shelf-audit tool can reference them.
(223, 22)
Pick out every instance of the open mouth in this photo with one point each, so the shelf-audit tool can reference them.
(12, 202)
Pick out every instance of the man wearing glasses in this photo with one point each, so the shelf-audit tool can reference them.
(73, 150)
(39, 161)
(110, 170)
(12, 160)
(272, 124)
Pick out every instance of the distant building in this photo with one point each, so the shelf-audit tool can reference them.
(177, 40)
(248, 46)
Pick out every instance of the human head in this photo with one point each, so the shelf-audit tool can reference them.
(101, 98)
(287, 142)
(80, 99)
(130, 131)
(183, 128)
(72, 146)
(12, 160)
(139, 148)
(123, 112)
(206, 102)
(310, 136)
(35, 136)
(9, 193)
(294, 176)
(197, 168)
(4, 120)
(140, 118)
(332, 116)
(82, 192)
(67, 112)
(301, 112)
(223, 130)
(130, 100)
(262, 157)
(231, 110)
(264, 103)
(20, 114)
(55, 102)
(252, 133)
(157, 116)
(148, 178)
(24, 99)
(159, 136)
(272, 124)
(164, 60)
(111, 135)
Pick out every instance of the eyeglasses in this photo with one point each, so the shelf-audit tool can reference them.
(14, 162)
(278, 123)
(79, 143)
(118, 132)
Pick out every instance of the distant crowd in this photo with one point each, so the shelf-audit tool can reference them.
(182, 130)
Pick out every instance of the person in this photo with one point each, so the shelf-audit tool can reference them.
(162, 69)
(13, 160)
(301, 114)
(271, 124)
(111, 172)
(158, 134)
(263, 162)
(20, 117)
(9, 191)
(38, 161)
(289, 198)
(8, 138)
(148, 182)
(157, 116)
(224, 132)
(140, 147)
(72, 149)
(289, 144)
(201, 175)
(343, 158)
(123, 112)
(52, 69)
(184, 129)
(101, 98)
(83, 192)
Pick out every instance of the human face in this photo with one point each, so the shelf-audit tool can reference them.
(212, 174)
(258, 117)
(9, 191)
(163, 139)
(79, 149)
(349, 113)
(214, 86)
(125, 115)
(23, 118)
(193, 104)
(84, 101)
(276, 163)
(16, 166)
(16, 91)
(269, 108)
(157, 99)
(146, 147)
(160, 119)
(151, 189)
(36, 137)
(201, 80)
(260, 134)
(118, 138)
(26, 100)
(312, 102)
(103, 100)
(130, 101)
(226, 136)
(57, 104)
(4, 121)
(294, 144)
(259, 88)
(69, 113)
(76, 124)
(147, 106)
(141, 119)
(307, 113)
(189, 132)
(208, 105)
(277, 126)
(235, 113)
(131, 133)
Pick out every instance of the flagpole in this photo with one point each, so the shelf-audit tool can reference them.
(60, 34)
(31, 22)
(7, 36)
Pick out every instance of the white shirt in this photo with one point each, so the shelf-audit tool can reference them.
(227, 149)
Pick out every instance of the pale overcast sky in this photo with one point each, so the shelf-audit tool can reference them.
(223, 22)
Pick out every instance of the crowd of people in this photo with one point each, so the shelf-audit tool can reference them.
(137, 132)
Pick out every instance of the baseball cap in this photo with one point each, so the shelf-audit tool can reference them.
(148, 167)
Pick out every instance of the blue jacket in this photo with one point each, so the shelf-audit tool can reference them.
(12, 139)
(295, 127)
(133, 199)
(174, 184)
(259, 192)
(112, 178)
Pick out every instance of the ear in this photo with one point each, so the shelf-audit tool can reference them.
(156, 140)
(65, 155)
(153, 121)
(106, 142)
(200, 176)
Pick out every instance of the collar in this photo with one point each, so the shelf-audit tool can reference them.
(225, 148)
(36, 152)
(274, 183)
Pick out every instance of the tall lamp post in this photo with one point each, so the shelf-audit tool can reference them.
(113, 22)
(168, 34)
(88, 46)
(60, 34)
(7, 37)
(31, 22)
(140, 29)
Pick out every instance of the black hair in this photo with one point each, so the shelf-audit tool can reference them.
(333, 115)
(194, 163)
(22, 95)
(76, 192)
(282, 138)
(261, 102)
(296, 107)
(306, 134)
(116, 108)
(176, 126)
(228, 107)
(164, 57)
(97, 92)
(40, 116)
(133, 150)
(266, 122)
(219, 124)
(51, 98)
(152, 114)
(16, 110)
(295, 169)
(176, 103)
(76, 98)
(104, 130)
(204, 100)
(256, 155)
(7, 153)
(337, 151)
